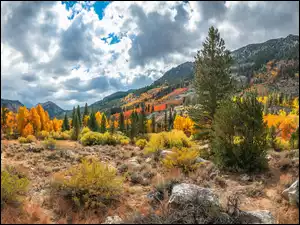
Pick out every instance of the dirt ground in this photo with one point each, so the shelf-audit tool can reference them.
(256, 192)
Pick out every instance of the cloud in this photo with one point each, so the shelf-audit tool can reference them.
(120, 45)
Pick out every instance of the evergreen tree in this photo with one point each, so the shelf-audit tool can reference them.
(85, 113)
(166, 121)
(239, 137)
(122, 122)
(170, 119)
(76, 127)
(65, 125)
(212, 79)
(73, 116)
(78, 115)
(153, 123)
(103, 124)
(142, 121)
(112, 124)
(134, 124)
(92, 123)
(152, 108)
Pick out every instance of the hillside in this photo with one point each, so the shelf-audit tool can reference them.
(52, 109)
(12, 105)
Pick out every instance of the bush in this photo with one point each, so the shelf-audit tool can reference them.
(89, 184)
(84, 131)
(95, 138)
(239, 135)
(163, 140)
(12, 187)
(124, 141)
(49, 143)
(28, 139)
(183, 158)
(43, 134)
(141, 143)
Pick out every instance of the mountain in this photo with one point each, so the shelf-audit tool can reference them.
(52, 109)
(252, 57)
(12, 105)
(177, 74)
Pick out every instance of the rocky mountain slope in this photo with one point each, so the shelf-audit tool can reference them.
(52, 109)
(12, 105)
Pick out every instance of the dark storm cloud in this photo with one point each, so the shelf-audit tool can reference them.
(22, 29)
(30, 77)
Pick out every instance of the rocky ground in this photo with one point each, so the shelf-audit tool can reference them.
(255, 192)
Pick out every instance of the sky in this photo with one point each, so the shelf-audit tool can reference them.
(77, 52)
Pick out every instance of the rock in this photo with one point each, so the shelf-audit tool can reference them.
(136, 148)
(201, 160)
(33, 148)
(292, 193)
(148, 160)
(165, 152)
(184, 193)
(245, 177)
(113, 220)
(256, 217)
(269, 157)
(134, 164)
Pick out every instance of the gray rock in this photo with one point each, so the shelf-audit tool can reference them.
(33, 148)
(185, 193)
(134, 164)
(201, 160)
(165, 152)
(245, 177)
(113, 220)
(292, 193)
(256, 217)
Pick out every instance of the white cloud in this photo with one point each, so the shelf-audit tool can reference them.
(154, 37)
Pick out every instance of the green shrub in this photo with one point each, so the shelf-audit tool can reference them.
(141, 143)
(12, 187)
(28, 139)
(49, 143)
(183, 158)
(90, 184)
(95, 138)
(239, 135)
(163, 140)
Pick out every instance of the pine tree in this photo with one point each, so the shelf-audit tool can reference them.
(103, 124)
(152, 108)
(76, 127)
(73, 116)
(142, 121)
(85, 113)
(112, 124)
(153, 123)
(166, 121)
(170, 119)
(65, 125)
(78, 115)
(122, 122)
(92, 123)
(4, 112)
(212, 78)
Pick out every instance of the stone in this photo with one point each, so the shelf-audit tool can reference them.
(245, 177)
(33, 148)
(256, 217)
(113, 220)
(292, 193)
(184, 193)
(134, 164)
(165, 152)
(148, 160)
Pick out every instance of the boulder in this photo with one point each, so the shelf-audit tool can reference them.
(134, 164)
(148, 160)
(245, 177)
(184, 193)
(256, 217)
(292, 193)
(165, 152)
(113, 220)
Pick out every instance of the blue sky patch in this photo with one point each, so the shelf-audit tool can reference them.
(98, 7)
(114, 39)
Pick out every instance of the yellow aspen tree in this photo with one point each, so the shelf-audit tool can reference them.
(22, 118)
(28, 130)
(35, 120)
